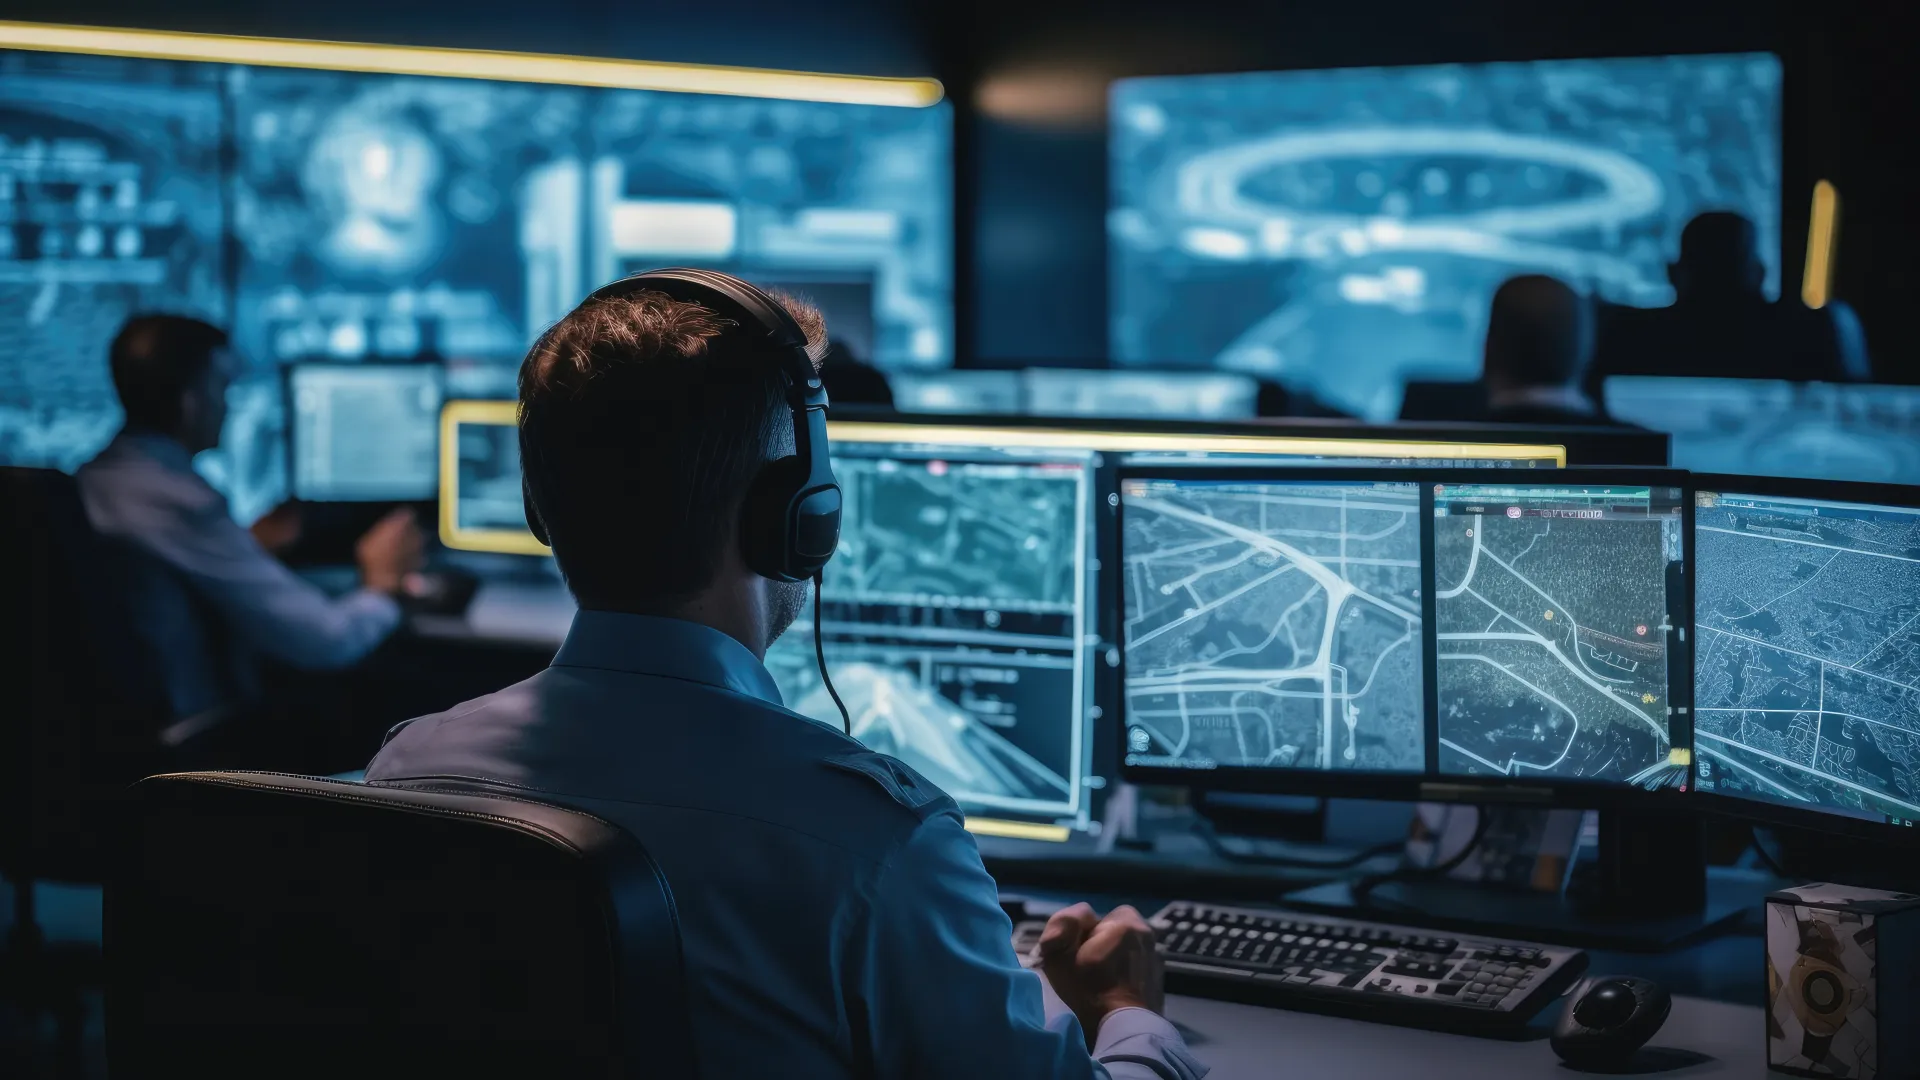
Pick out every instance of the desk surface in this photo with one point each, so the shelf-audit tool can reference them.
(528, 613)
(1701, 1039)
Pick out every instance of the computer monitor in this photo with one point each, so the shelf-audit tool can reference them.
(1404, 633)
(1120, 394)
(364, 432)
(976, 393)
(1822, 431)
(1345, 230)
(1807, 680)
(481, 507)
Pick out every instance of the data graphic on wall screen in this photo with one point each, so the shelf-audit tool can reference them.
(109, 205)
(1555, 618)
(1343, 231)
(1273, 625)
(955, 624)
(382, 218)
(1807, 684)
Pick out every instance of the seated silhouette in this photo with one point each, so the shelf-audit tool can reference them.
(1721, 324)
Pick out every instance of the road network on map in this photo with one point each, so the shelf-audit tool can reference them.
(1274, 625)
(1808, 685)
(951, 625)
(1552, 647)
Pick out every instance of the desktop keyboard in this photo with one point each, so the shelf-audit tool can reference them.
(1377, 971)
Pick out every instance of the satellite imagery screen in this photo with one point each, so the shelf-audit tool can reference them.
(1807, 684)
(1343, 231)
(956, 623)
(1273, 624)
(1554, 625)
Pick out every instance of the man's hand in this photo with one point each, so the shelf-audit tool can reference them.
(1098, 966)
(278, 528)
(389, 552)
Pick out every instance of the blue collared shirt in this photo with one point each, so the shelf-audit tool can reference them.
(207, 598)
(836, 917)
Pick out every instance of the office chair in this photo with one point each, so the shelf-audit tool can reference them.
(78, 725)
(261, 920)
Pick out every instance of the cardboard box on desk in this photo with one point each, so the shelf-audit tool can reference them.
(1843, 982)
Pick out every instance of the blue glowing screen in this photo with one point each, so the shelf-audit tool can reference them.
(1342, 231)
(381, 218)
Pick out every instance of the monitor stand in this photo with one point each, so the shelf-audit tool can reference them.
(1648, 890)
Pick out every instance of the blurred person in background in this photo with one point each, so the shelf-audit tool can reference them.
(209, 600)
(1721, 324)
(1539, 343)
(851, 381)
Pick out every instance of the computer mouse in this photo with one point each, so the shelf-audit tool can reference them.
(1609, 1017)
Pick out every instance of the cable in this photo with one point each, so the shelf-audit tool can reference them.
(820, 656)
(1365, 885)
(1217, 844)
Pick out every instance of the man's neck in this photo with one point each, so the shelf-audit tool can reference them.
(719, 608)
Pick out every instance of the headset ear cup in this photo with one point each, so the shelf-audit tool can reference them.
(534, 524)
(764, 523)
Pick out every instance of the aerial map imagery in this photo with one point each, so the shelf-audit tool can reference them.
(952, 627)
(1553, 632)
(1273, 624)
(1807, 688)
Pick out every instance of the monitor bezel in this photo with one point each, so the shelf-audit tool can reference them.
(1556, 792)
(1782, 814)
(289, 374)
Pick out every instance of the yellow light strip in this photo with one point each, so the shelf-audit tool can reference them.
(1823, 237)
(1018, 830)
(522, 67)
(1120, 441)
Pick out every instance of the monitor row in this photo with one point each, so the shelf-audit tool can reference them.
(1026, 615)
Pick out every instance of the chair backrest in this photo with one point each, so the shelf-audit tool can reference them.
(83, 703)
(260, 922)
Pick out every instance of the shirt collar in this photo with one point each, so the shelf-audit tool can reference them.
(668, 648)
(161, 449)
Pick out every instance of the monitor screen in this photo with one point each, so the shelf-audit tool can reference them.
(956, 622)
(365, 433)
(1557, 607)
(481, 507)
(1402, 625)
(1175, 395)
(1807, 680)
(1822, 431)
(974, 393)
(1274, 624)
(1344, 231)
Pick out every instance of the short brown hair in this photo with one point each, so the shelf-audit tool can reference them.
(643, 419)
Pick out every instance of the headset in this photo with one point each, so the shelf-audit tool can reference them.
(790, 519)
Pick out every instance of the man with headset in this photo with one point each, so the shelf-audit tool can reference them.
(836, 917)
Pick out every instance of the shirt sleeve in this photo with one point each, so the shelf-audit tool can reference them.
(947, 998)
(269, 606)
